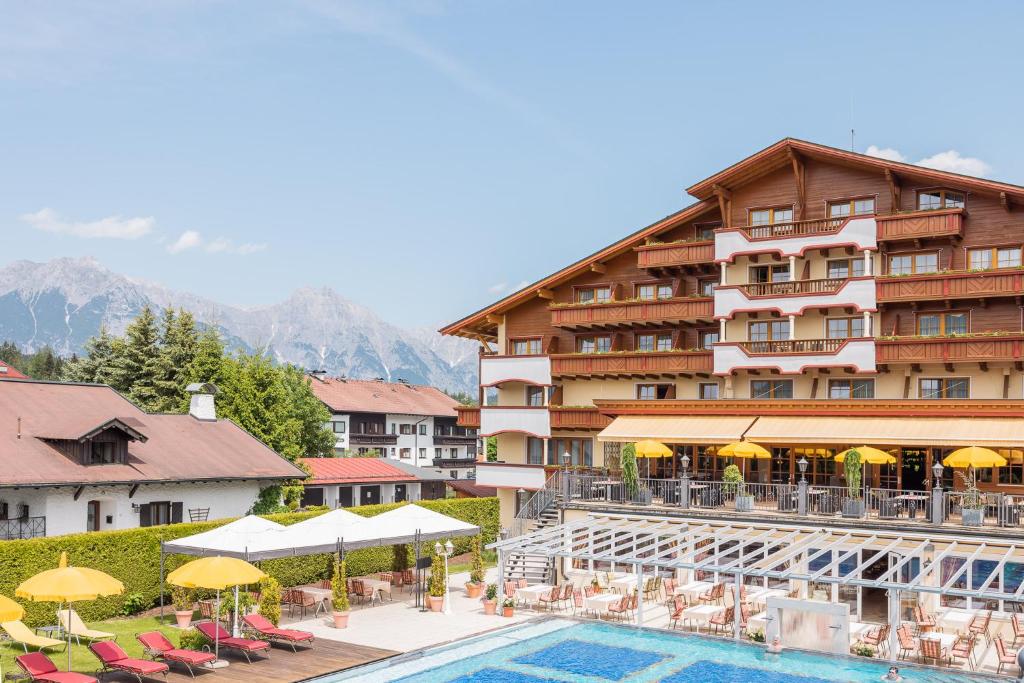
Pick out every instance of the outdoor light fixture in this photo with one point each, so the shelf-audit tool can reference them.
(685, 462)
(937, 471)
(802, 464)
(566, 459)
(445, 551)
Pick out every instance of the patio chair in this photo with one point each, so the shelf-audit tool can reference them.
(620, 609)
(877, 638)
(206, 607)
(366, 591)
(38, 667)
(1003, 657)
(510, 590)
(215, 632)
(567, 593)
(324, 583)
(262, 627)
(310, 601)
(1018, 629)
(386, 576)
(906, 640)
(23, 635)
(979, 625)
(715, 594)
(407, 577)
(156, 646)
(113, 658)
(589, 591)
(676, 611)
(670, 588)
(552, 597)
(932, 649)
(602, 581)
(73, 624)
(963, 648)
(924, 622)
(722, 620)
(745, 614)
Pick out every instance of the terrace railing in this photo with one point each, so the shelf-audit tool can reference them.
(824, 286)
(772, 348)
(22, 527)
(536, 505)
(821, 226)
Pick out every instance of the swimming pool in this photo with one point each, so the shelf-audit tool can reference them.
(573, 652)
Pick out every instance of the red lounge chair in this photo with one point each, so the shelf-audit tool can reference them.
(216, 633)
(157, 646)
(265, 628)
(113, 658)
(39, 667)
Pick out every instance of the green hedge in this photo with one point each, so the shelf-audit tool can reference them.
(133, 556)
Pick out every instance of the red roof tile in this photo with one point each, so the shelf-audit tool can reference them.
(354, 471)
(9, 372)
(471, 488)
(366, 396)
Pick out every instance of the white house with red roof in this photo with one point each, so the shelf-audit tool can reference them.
(353, 481)
(408, 423)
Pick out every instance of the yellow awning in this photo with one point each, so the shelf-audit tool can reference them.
(890, 431)
(696, 429)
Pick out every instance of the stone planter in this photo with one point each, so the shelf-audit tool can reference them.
(436, 604)
(744, 503)
(972, 517)
(184, 618)
(853, 508)
(340, 619)
(490, 607)
(474, 590)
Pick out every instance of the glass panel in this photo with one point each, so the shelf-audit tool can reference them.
(1008, 258)
(645, 392)
(645, 292)
(838, 269)
(783, 388)
(664, 291)
(929, 200)
(709, 391)
(928, 325)
(760, 388)
(956, 323)
(954, 200)
(664, 342)
(783, 215)
(858, 267)
(759, 331)
(926, 263)
(707, 339)
(838, 209)
(864, 206)
(604, 344)
(645, 342)
(585, 296)
(780, 330)
(760, 217)
(863, 388)
(838, 328)
(707, 287)
(978, 259)
(899, 265)
(839, 388)
(957, 388)
(603, 294)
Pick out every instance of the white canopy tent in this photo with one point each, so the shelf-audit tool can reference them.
(231, 540)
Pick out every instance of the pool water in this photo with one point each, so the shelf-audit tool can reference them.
(572, 652)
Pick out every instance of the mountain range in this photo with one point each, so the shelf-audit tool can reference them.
(63, 302)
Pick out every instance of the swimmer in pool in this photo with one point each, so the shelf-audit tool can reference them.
(893, 675)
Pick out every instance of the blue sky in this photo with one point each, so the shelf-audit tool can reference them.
(424, 157)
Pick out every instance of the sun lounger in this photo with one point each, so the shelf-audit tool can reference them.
(157, 646)
(39, 668)
(24, 636)
(113, 658)
(73, 624)
(215, 632)
(264, 628)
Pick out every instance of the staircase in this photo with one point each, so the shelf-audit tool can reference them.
(540, 512)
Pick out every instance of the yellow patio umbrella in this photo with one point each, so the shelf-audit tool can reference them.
(68, 584)
(216, 573)
(869, 456)
(744, 449)
(974, 456)
(9, 611)
(651, 449)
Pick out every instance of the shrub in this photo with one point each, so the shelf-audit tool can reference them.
(270, 599)
(438, 584)
(133, 604)
(862, 650)
(852, 472)
(732, 480)
(245, 602)
(339, 587)
(184, 599)
(476, 573)
(191, 639)
(756, 636)
(630, 475)
(492, 592)
(400, 562)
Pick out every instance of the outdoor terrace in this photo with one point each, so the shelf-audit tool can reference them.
(949, 285)
(613, 314)
(631, 364)
(670, 254)
(921, 224)
(973, 348)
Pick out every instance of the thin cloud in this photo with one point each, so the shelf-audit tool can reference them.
(191, 239)
(950, 160)
(188, 240)
(111, 227)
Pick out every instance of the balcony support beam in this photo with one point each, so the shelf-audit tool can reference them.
(799, 176)
(724, 204)
(895, 190)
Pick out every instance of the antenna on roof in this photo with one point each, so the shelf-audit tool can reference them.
(852, 136)
(852, 133)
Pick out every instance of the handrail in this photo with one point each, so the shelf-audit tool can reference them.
(823, 286)
(793, 346)
(817, 226)
(538, 503)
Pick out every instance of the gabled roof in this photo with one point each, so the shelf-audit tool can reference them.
(9, 372)
(128, 425)
(368, 396)
(362, 471)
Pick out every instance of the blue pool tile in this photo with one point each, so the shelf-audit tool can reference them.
(498, 676)
(592, 659)
(715, 672)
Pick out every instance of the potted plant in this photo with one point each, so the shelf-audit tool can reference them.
(491, 599)
(732, 482)
(399, 564)
(853, 506)
(339, 594)
(436, 589)
(508, 608)
(972, 512)
(756, 636)
(184, 601)
(270, 599)
(475, 585)
(863, 650)
(631, 477)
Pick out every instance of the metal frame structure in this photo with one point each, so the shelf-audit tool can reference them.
(781, 552)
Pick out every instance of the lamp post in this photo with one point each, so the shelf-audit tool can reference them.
(938, 498)
(937, 475)
(566, 460)
(445, 551)
(802, 464)
(684, 464)
(801, 487)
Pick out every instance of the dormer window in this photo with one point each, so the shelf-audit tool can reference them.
(940, 199)
(102, 453)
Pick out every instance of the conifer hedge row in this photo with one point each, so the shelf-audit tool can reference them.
(133, 556)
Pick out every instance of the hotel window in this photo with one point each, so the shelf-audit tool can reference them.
(102, 453)
(844, 328)
(423, 453)
(851, 207)
(405, 453)
(844, 268)
(423, 429)
(706, 287)
(454, 452)
(769, 330)
(705, 232)
(907, 264)
(851, 388)
(1013, 471)
(405, 429)
(995, 257)
(593, 295)
(581, 451)
(660, 341)
(707, 339)
(654, 392)
(707, 391)
(338, 427)
(781, 214)
(761, 274)
(940, 199)
(941, 324)
(771, 388)
(601, 344)
(656, 291)
(534, 396)
(437, 452)
(944, 387)
(534, 451)
(526, 347)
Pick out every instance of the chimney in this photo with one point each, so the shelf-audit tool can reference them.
(201, 405)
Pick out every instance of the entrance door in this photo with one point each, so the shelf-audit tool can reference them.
(399, 493)
(345, 496)
(369, 495)
(92, 522)
(914, 469)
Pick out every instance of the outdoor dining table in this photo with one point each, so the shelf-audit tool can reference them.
(757, 622)
(701, 613)
(324, 595)
(693, 589)
(378, 585)
(858, 629)
(600, 603)
(946, 640)
(956, 618)
(531, 594)
(624, 583)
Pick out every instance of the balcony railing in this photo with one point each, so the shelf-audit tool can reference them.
(950, 349)
(951, 285)
(797, 237)
(531, 369)
(469, 416)
(792, 346)
(578, 418)
(659, 311)
(23, 527)
(921, 224)
(826, 286)
(363, 439)
(632, 363)
(796, 355)
(675, 254)
(819, 226)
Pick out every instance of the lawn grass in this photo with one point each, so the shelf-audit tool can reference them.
(82, 659)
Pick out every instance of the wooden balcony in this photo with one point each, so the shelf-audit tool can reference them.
(671, 254)
(775, 348)
(469, 416)
(818, 226)
(656, 312)
(921, 225)
(958, 285)
(976, 348)
(578, 418)
(632, 364)
(771, 289)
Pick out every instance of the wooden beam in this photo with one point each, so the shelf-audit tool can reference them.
(598, 268)
(78, 492)
(724, 204)
(983, 366)
(544, 293)
(495, 319)
(1004, 201)
(1006, 385)
(895, 189)
(799, 176)
(132, 490)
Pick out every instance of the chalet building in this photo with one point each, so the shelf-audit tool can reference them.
(405, 422)
(81, 457)
(349, 482)
(809, 300)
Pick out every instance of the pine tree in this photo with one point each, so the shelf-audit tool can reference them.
(138, 369)
(10, 354)
(178, 346)
(95, 365)
(43, 364)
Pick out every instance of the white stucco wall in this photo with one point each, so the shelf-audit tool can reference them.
(387, 493)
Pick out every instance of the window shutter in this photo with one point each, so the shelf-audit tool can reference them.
(145, 515)
(176, 510)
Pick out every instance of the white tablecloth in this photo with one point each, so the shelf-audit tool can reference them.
(859, 629)
(601, 602)
(701, 613)
(759, 598)
(693, 590)
(624, 584)
(758, 622)
(531, 594)
(946, 640)
(957, 619)
(378, 585)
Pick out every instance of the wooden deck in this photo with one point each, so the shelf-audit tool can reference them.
(283, 666)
